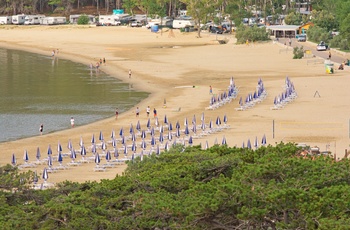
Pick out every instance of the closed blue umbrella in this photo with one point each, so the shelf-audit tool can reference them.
(138, 126)
(59, 147)
(113, 134)
(104, 146)
(116, 154)
(166, 147)
(108, 156)
(125, 150)
(170, 126)
(81, 142)
(148, 124)
(25, 156)
(186, 122)
(161, 129)
(114, 143)
(177, 125)
(263, 141)
(194, 120)
(218, 121)
(143, 144)
(187, 131)
(225, 119)
(73, 155)
(93, 139)
(152, 131)
(211, 124)
(69, 145)
(45, 174)
(190, 141)
(177, 133)
(49, 150)
(100, 137)
(153, 141)
(194, 128)
(97, 159)
(13, 160)
(93, 148)
(133, 147)
(49, 161)
(121, 132)
(161, 138)
(38, 155)
(165, 119)
(203, 126)
(123, 140)
(131, 129)
(60, 158)
(249, 145)
(224, 141)
(170, 136)
(133, 137)
(202, 117)
(143, 134)
(83, 152)
(156, 122)
(256, 143)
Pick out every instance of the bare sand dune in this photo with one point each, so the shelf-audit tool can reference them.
(168, 66)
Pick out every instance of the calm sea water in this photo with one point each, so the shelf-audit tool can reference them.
(37, 89)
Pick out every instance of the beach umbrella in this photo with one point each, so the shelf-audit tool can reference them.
(256, 143)
(13, 160)
(60, 158)
(157, 150)
(165, 119)
(170, 126)
(224, 141)
(114, 143)
(49, 161)
(45, 174)
(133, 147)
(249, 145)
(25, 156)
(156, 122)
(123, 140)
(203, 126)
(166, 147)
(38, 155)
(170, 136)
(177, 125)
(131, 129)
(187, 131)
(113, 134)
(69, 145)
(97, 159)
(143, 144)
(93, 148)
(49, 150)
(190, 141)
(148, 123)
(218, 121)
(35, 177)
(225, 119)
(138, 126)
(83, 152)
(100, 137)
(152, 131)
(194, 120)
(121, 132)
(202, 117)
(59, 147)
(143, 134)
(141, 156)
(133, 137)
(161, 129)
(153, 141)
(161, 138)
(243, 145)
(116, 154)
(108, 156)
(93, 139)
(103, 146)
(263, 140)
(186, 122)
(125, 150)
(81, 142)
(73, 155)
(206, 145)
(177, 134)
(194, 128)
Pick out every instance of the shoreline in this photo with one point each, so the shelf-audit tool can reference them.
(161, 65)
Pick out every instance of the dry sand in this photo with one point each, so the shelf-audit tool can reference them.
(161, 64)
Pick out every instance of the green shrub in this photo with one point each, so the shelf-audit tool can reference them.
(317, 34)
(298, 52)
(83, 20)
(254, 33)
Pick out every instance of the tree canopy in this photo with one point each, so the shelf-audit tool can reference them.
(218, 188)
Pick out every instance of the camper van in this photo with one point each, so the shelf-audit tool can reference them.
(53, 21)
(18, 19)
(181, 23)
(109, 20)
(33, 19)
(73, 19)
(5, 20)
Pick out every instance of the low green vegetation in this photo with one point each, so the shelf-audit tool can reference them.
(251, 34)
(218, 188)
(83, 19)
(298, 52)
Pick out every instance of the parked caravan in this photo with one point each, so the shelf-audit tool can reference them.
(109, 20)
(5, 20)
(73, 19)
(53, 21)
(33, 19)
(18, 19)
(181, 23)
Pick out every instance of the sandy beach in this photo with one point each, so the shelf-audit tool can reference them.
(168, 67)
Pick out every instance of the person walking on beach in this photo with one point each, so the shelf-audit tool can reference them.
(210, 90)
(116, 113)
(329, 55)
(290, 42)
(41, 129)
(104, 61)
(148, 110)
(100, 61)
(129, 73)
(137, 112)
(72, 122)
(154, 112)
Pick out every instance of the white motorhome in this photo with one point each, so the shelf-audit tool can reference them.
(53, 21)
(5, 20)
(73, 19)
(109, 20)
(18, 19)
(181, 23)
(33, 19)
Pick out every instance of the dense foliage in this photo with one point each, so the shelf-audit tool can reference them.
(254, 33)
(83, 20)
(298, 52)
(219, 188)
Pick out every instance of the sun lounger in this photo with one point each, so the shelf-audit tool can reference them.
(98, 168)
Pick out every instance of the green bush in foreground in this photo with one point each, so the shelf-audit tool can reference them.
(83, 19)
(219, 188)
(298, 52)
(249, 33)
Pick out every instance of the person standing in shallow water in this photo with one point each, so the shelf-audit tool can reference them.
(72, 122)
(129, 73)
(41, 129)
(116, 113)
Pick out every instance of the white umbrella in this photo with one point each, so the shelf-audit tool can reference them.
(45, 175)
